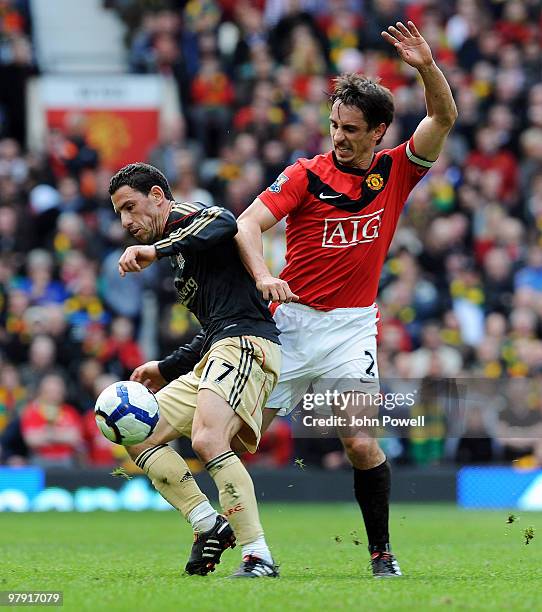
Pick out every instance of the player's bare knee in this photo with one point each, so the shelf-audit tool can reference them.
(208, 443)
(359, 449)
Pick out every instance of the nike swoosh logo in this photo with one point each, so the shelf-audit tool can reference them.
(323, 196)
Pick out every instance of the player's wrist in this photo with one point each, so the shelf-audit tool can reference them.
(427, 67)
(262, 276)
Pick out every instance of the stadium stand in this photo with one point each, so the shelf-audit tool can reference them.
(461, 292)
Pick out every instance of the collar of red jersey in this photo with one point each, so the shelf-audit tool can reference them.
(349, 169)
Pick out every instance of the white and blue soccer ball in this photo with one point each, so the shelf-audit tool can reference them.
(126, 412)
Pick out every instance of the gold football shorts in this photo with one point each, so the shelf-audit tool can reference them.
(242, 370)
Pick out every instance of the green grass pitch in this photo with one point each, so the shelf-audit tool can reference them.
(452, 559)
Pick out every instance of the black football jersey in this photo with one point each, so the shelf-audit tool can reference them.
(211, 281)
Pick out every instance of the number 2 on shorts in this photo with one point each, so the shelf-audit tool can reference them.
(370, 371)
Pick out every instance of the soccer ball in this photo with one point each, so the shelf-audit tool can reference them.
(126, 412)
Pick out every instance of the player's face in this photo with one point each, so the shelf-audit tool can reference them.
(140, 214)
(353, 141)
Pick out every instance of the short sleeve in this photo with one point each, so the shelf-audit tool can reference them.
(408, 170)
(287, 192)
(415, 167)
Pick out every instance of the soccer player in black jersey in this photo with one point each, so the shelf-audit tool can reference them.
(214, 389)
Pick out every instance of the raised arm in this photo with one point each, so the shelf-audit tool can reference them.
(431, 133)
(256, 219)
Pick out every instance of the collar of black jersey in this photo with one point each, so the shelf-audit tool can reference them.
(349, 169)
(173, 220)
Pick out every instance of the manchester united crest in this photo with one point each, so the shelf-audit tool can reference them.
(375, 182)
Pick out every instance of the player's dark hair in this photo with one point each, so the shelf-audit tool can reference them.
(374, 100)
(141, 177)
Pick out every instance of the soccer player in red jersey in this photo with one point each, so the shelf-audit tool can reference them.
(342, 209)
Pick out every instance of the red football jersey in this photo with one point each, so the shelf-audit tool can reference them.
(340, 223)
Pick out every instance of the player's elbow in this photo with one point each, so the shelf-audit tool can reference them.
(452, 118)
(455, 113)
(447, 119)
(246, 217)
(247, 225)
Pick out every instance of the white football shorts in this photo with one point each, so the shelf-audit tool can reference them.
(334, 350)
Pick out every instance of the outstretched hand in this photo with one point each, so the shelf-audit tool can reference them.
(410, 44)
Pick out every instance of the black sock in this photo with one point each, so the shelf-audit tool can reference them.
(372, 490)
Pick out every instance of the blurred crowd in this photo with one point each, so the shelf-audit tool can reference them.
(461, 290)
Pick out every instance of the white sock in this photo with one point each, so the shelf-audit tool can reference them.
(202, 517)
(259, 549)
